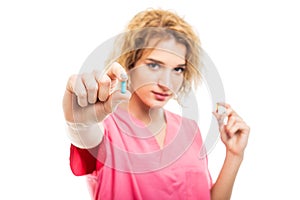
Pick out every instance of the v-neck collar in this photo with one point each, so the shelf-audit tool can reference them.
(134, 127)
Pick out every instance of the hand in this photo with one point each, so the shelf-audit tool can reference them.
(234, 133)
(90, 97)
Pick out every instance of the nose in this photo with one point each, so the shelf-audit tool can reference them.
(164, 80)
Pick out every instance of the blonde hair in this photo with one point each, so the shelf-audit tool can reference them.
(161, 24)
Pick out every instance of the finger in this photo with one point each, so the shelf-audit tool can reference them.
(230, 122)
(218, 116)
(109, 105)
(221, 118)
(71, 83)
(232, 119)
(228, 110)
(91, 86)
(116, 71)
(232, 129)
(78, 88)
(104, 85)
(244, 128)
(225, 105)
(220, 109)
(114, 100)
(238, 127)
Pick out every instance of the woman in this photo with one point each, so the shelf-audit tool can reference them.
(125, 142)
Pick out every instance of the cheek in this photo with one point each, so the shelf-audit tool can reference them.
(144, 91)
(177, 83)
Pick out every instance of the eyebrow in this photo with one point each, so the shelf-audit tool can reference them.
(162, 63)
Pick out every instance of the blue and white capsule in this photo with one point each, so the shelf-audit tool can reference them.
(123, 87)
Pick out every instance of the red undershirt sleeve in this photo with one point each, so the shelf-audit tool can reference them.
(83, 161)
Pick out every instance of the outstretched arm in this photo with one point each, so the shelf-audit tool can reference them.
(234, 134)
(88, 99)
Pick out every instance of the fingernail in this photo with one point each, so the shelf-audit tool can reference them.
(221, 109)
(124, 76)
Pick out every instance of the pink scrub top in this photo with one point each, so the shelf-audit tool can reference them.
(129, 163)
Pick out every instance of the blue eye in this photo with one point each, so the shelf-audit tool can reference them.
(153, 66)
(179, 70)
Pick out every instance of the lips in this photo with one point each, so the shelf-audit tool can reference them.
(160, 96)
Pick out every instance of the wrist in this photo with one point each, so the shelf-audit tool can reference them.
(84, 136)
(233, 157)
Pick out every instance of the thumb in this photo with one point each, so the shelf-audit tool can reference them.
(114, 100)
(116, 71)
(220, 118)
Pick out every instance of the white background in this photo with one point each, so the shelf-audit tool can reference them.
(254, 44)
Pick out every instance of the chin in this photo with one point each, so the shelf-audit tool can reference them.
(157, 104)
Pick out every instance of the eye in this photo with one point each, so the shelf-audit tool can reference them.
(153, 66)
(179, 70)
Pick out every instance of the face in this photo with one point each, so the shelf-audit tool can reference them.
(158, 75)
